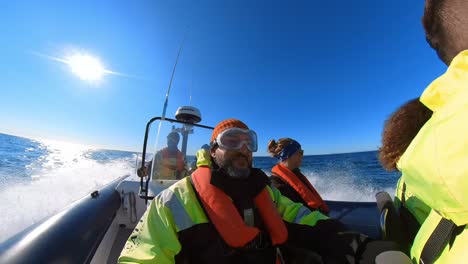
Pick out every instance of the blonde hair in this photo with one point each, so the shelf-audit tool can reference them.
(275, 147)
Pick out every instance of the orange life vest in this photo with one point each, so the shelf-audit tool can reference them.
(172, 164)
(227, 220)
(303, 188)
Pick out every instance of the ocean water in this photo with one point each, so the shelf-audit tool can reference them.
(38, 178)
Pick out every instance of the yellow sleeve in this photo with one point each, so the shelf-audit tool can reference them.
(295, 212)
(154, 239)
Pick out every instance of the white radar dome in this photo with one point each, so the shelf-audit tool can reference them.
(188, 114)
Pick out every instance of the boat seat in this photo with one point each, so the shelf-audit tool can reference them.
(390, 224)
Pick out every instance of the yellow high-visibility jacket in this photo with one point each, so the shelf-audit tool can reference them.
(177, 210)
(435, 164)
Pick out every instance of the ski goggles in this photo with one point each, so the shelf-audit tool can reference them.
(235, 138)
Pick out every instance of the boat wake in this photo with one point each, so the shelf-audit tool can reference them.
(343, 188)
(61, 175)
(39, 178)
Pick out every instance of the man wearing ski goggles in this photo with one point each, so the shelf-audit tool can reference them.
(235, 206)
(232, 144)
(234, 138)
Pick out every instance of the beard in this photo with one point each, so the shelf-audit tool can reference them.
(233, 171)
(238, 173)
(442, 34)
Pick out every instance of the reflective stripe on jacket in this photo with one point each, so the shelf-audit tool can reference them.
(302, 186)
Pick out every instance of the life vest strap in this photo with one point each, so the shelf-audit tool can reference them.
(249, 217)
(437, 241)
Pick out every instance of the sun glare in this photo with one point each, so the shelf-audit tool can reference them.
(86, 67)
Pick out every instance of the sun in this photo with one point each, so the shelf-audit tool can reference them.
(86, 67)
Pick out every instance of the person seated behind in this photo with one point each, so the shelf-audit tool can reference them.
(288, 178)
(399, 130)
(229, 214)
(202, 159)
(169, 161)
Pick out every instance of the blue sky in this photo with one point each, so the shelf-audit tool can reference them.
(327, 73)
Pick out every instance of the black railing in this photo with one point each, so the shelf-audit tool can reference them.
(143, 193)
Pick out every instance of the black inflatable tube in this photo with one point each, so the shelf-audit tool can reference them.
(70, 236)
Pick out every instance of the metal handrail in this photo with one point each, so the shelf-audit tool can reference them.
(143, 193)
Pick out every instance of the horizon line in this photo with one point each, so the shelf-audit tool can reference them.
(135, 151)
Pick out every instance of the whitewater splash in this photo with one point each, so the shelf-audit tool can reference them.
(344, 188)
(340, 186)
(63, 174)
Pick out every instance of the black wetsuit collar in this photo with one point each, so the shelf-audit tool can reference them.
(241, 191)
